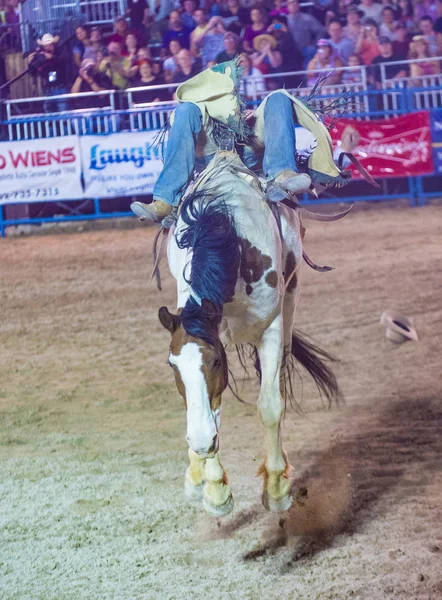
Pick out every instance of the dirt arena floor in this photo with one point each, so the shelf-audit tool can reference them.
(92, 449)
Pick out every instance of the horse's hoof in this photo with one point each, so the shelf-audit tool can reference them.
(193, 493)
(277, 505)
(219, 511)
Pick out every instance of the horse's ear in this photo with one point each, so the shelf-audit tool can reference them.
(168, 320)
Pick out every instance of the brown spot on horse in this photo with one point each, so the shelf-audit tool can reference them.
(272, 279)
(253, 265)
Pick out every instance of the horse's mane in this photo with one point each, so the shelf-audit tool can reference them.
(210, 233)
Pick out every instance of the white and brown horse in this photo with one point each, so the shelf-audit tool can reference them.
(237, 273)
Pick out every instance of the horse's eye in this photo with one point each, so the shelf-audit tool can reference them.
(216, 363)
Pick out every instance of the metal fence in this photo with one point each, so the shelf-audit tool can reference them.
(398, 97)
(358, 84)
(59, 17)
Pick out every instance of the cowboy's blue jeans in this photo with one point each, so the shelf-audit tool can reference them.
(180, 159)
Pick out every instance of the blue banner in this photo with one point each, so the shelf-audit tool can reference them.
(436, 139)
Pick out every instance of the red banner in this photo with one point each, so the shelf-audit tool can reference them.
(395, 147)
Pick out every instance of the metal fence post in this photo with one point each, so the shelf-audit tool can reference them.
(2, 226)
(97, 207)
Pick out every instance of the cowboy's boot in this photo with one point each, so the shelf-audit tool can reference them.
(288, 181)
(154, 212)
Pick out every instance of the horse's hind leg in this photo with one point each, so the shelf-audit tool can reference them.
(276, 468)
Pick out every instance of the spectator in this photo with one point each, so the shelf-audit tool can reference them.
(199, 31)
(186, 69)
(90, 80)
(419, 50)
(367, 46)
(388, 24)
(405, 14)
(426, 29)
(176, 31)
(342, 46)
(305, 29)
(266, 57)
(11, 34)
(438, 22)
(279, 8)
(232, 44)
(236, 17)
(132, 47)
(138, 12)
(170, 64)
(400, 42)
(96, 50)
(48, 64)
(131, 43)
(292, 59)
(147, 78)
(425, 8)
(258, 27)
(353, 75)
(161, 9)
(121, 30)
(354, 26)
(187, 17)
(371, 10)
(325, 60)
(386, 56)
(116, 66)
(252, 83)
(212, 42)
(143, 54)
(80, 44)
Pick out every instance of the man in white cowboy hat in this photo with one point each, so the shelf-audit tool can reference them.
(282, 130)
(47, 63)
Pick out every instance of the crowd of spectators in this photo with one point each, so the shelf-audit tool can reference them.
(160, 42)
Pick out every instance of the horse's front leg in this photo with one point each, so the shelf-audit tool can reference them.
(276, 468)
(217, 496)
(206, 479)
(194, 479)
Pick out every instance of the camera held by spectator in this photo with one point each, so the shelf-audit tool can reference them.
(90, 79)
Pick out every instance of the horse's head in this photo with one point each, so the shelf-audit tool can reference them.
(201, 374)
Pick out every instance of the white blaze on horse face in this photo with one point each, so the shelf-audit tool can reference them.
(202, 430)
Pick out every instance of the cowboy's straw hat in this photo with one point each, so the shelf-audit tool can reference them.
(264, 37)
(48, 39)
(399, 327)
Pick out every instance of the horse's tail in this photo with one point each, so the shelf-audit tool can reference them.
(313, 359)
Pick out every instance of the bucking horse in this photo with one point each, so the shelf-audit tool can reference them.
(236, 262)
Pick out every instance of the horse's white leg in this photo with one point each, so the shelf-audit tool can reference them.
(194, 479)
(276, 468)
(217, 496)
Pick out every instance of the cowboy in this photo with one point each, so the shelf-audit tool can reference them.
(283, 135)
(49, 65)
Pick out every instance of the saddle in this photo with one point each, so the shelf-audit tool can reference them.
(233, 163)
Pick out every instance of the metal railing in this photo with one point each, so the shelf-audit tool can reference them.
(79, 121)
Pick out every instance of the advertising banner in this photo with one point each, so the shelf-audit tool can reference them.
(120, 164)
(396, 147)
(40, 170)
(436, 135)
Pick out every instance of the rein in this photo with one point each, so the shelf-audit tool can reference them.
(158, 255)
